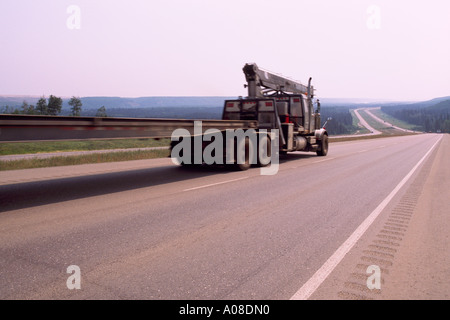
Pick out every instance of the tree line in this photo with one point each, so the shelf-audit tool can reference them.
(50, 107)
(426, 119)
(341, 120)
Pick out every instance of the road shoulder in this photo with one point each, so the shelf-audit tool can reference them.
(408, 243)
(423, 270)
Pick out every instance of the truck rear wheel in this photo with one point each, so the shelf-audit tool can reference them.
(245, 146)
(264, 151)
(323, 146)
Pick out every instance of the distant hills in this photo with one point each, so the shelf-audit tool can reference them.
(441, 106)
(439, 103)
(430, 116)
(199, 107)
(119, 102)
(152, 102)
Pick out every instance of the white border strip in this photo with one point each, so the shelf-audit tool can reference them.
(316, 280)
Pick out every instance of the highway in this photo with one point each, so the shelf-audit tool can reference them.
(364, 122)
(151, 230)
(369, 112)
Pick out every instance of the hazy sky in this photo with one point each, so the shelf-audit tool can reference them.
(353, 49)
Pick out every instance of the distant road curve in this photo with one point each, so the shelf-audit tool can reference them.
(368, 111)
(364, 123)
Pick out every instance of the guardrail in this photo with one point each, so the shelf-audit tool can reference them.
(34, 128)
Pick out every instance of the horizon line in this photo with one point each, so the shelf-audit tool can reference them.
(212, 96)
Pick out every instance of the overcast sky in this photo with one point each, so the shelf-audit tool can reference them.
(375, 49)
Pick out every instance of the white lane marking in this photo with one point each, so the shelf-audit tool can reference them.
(327, 159)
(306, 164)
(214, 184)
(316, 280)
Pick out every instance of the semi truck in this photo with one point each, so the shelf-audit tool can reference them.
(276, 107)
(276, 103)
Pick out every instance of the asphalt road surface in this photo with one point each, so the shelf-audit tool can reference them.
(152, 230)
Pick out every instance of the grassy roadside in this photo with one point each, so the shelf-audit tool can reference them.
(83, 159)
(13, 148)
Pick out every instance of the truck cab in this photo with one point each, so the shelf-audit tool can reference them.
(292, 114)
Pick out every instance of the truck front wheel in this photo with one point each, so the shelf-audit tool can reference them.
(323, 146)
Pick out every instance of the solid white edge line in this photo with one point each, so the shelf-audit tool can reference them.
(214, 184)
(316, 280)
